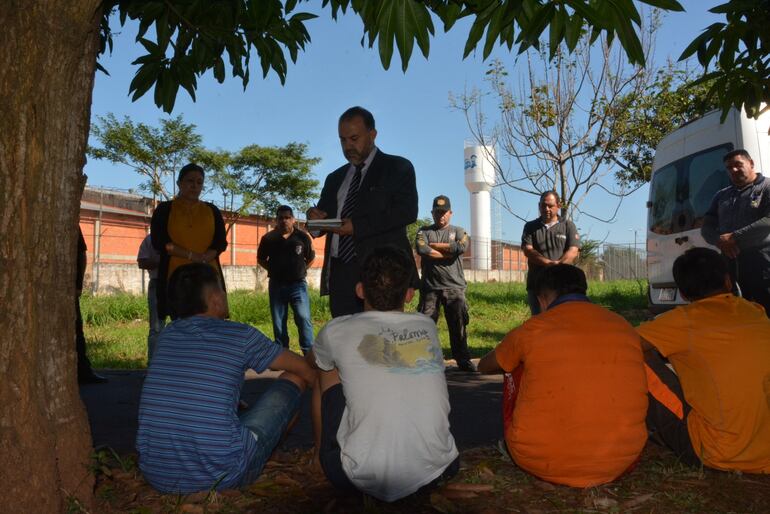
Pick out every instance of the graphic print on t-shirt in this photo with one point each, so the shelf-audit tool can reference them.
(401, 351)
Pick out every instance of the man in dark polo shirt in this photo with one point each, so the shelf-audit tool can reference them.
(440, 247)
(286, 252)
(547, 241)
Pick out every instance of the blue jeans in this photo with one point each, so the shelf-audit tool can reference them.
(156, 324)
(283, 294)
(267, 420)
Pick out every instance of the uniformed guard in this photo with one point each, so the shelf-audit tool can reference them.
(440, 247)
(738, 223)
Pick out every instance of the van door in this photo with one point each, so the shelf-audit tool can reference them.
(680, 194)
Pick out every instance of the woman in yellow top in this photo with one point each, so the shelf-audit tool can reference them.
(186, 230)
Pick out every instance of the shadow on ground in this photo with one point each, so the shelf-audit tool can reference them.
(113, 408)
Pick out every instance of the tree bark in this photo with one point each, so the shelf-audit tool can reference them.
(48, 53)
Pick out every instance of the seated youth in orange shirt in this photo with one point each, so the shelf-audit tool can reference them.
(715, 410)
(578, 415)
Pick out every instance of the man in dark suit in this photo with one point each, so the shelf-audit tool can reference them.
(375, 196)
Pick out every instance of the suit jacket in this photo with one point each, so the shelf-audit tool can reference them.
(387, 203)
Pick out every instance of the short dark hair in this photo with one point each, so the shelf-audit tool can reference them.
(284, 208)
(740, 152)
(358, 111)
(386, 275)
(561, 279)
(187, 289)
(700, 272)
(546, 194)
(189, 168)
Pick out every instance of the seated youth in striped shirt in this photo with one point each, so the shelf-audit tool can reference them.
(191, 437)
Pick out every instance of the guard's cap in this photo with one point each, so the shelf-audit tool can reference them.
(441, 203)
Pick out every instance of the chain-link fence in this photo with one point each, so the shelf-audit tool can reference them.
(623, 261)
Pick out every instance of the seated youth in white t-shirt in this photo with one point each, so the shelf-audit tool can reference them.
(384, 404)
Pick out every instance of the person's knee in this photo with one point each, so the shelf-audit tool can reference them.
(295, 379)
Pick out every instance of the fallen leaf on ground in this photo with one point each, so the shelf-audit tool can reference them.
(282, 479)
(455, 494)
(197, 497)
(635, 502)
(543, 486)
(230, 493)
(476, 488)
(486, 472)
(441, 503)
(605, 503)
(191, 508)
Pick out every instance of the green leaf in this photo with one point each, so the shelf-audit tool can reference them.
(405, 30)
(474, 35)
(573, 29)
(668, 5)
(219, 70)
(557, 31)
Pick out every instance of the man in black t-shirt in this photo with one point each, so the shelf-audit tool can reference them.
(546, 241)
(286, 252)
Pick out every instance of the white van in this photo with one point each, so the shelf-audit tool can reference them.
(686, 173)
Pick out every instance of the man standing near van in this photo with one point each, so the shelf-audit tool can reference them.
(547, 241)
(738, 223)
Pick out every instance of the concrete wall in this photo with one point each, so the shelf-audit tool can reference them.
(128, 278)
(114, 225)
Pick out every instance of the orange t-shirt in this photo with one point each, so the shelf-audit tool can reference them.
(720, 348)
(580, 411)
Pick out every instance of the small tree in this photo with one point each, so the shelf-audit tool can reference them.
(153, 152)
(259, 179)
(412, 228)
(578, 119)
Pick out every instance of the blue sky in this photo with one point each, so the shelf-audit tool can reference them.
(412, 110)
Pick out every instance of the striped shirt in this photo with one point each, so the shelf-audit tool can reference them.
(189, 437)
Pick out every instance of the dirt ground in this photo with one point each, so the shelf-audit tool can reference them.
(487, 483)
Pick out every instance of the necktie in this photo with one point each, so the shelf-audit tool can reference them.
(346, 249)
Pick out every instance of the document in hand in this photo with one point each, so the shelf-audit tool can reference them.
(324, 224)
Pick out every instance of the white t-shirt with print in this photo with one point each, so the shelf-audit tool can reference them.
(394, 434)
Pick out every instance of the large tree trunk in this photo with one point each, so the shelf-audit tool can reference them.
(47, 59)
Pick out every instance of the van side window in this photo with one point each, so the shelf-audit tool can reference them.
(681, 192)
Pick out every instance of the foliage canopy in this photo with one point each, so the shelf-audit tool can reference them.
(191, 37)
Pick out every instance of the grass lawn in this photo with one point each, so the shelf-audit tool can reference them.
(116, 325)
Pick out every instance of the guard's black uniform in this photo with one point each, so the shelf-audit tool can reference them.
(443, 283)
(746, 213)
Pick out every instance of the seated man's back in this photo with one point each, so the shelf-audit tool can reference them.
(579, 413)
(720, 349)
(189, 433)
(191, 436)
(579, 416)
(394, 433)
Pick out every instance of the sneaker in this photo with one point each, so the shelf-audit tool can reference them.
(467, 366)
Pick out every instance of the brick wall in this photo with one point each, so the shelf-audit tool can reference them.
(114, 225)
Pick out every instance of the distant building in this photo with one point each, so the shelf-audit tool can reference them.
(114, 223)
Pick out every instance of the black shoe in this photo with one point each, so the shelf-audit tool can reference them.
(467, 366)
(89, 377)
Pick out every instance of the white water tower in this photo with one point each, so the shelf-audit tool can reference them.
(479, 179)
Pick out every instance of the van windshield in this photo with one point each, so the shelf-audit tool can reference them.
(681, 192)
